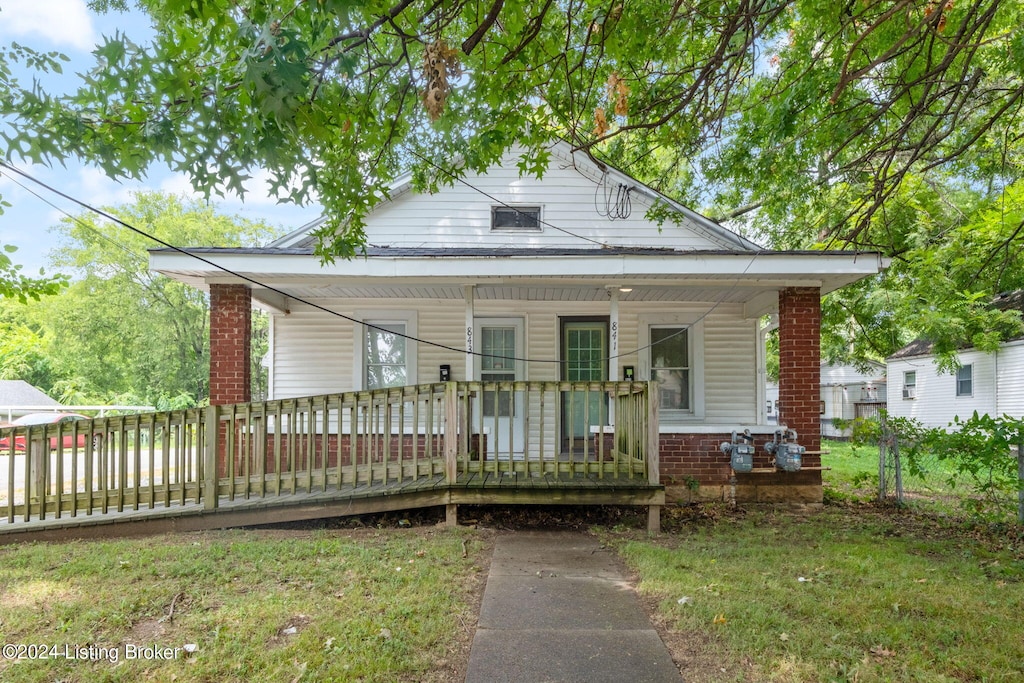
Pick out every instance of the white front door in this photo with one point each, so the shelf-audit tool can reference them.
(500, 362)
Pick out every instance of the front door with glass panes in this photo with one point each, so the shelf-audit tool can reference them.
(499, 409)
(584, 359)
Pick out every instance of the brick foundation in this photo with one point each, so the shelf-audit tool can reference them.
(693, 468)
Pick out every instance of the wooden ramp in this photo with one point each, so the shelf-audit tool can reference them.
(332, 455)
(474, 488)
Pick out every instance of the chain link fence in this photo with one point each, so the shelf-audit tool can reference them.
(908, 474)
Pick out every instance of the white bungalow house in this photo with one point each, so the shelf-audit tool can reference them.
(503, 276)
(989, 383)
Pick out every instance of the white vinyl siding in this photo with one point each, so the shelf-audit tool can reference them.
(314, 352)
(311, 354)
(1010, 380)
(937, 403)
(460, 216)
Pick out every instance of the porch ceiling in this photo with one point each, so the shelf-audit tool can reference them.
(525, 293)
(751, 278)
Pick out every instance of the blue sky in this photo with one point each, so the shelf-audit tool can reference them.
(68, 26)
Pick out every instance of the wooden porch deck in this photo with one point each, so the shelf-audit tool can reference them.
(326, 456)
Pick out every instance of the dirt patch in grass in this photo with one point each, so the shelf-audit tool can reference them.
(148, 631)
(699, 655)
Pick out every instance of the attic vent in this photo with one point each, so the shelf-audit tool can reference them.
(515, 218)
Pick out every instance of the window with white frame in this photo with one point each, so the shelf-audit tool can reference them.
(910, 384)
(671, 367)
(965, 381)
(385, 355)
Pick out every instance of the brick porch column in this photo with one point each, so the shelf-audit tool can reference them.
(230, 337)
(800, 365)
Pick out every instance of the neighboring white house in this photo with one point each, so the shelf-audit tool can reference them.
(991, 383)
(846, 393)
(547, 281)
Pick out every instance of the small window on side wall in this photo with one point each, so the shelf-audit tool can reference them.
(910, 384)
(965, 381)
(519, 218)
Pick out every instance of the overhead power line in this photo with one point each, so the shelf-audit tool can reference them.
(253, 281)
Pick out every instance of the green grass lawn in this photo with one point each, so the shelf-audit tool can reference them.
(373, 605)
(855, 592)
(848, 594)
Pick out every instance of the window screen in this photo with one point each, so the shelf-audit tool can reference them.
(515, 218)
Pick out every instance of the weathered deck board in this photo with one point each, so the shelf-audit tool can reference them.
(362, 498)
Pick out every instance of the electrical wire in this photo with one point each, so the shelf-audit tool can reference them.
(618, 208)
(324, 309)
(135, 257)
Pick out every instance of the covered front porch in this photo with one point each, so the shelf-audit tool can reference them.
(550, 317)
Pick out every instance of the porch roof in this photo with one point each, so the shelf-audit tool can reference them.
(585, 274)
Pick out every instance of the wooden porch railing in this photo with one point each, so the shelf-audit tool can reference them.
(454, 432)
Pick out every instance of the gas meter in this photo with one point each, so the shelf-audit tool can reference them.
(740, 451)
(788, 453)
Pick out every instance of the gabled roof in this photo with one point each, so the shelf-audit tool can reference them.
(1004, 301)
(16, 392)
(586, 166)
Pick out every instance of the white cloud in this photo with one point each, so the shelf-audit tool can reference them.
(65, 23)
(179, 184)
(98, 189)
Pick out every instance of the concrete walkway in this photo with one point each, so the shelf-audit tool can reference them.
(558, 608)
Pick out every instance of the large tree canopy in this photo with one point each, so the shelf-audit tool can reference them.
(121, 333)
(856, 124)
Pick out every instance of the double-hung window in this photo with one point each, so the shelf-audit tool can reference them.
(385, 351)
(965, 381)
(386, 355)
(671, 367)
(673, 356)
(910, 384)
